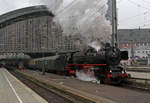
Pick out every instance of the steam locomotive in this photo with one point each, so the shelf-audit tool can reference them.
(103, 64)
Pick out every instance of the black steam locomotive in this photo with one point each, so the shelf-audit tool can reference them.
(103, 63)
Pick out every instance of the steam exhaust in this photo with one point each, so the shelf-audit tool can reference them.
(87, 75)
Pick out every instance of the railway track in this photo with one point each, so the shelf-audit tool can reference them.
(128, 85)
(48, 95)
(137, 88)
(52, 94)
(131, 84)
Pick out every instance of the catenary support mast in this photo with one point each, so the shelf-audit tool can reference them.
(114, 24)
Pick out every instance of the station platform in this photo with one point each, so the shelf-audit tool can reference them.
(14, 91)
(98, 93)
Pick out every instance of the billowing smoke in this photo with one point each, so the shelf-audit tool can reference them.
(87, 19)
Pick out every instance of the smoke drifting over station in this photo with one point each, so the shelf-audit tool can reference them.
(91, 19)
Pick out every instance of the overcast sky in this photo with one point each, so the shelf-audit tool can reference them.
(134, 13)
(131, 13)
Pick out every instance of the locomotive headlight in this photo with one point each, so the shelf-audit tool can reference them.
(110, 71)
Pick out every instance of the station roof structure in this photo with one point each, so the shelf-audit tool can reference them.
(23, 13)
(135, 35)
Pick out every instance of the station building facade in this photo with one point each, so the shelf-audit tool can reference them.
(31, 29)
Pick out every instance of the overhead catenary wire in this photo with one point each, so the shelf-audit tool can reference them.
(137, 15)
(146, 11)
(142, 24)
(145, 25)
(138, 5)
(134, 16)
(94, 12)
(66, 7)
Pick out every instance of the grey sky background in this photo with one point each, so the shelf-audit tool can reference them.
(131, 13)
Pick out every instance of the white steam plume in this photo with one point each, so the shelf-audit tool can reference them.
(81, 75)
(96, 45)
